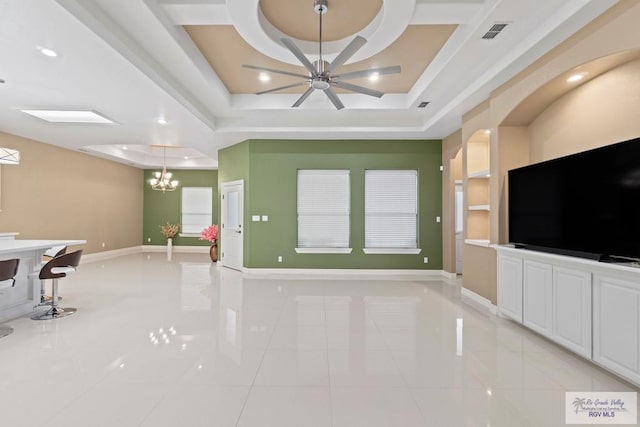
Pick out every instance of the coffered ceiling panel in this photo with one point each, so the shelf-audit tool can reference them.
(226, 51)
(298, 20)
(169, 72)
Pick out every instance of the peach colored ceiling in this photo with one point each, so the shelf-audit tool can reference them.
(297, 18)
(226, 51)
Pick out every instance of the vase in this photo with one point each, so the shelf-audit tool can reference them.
(213, 252)
(169, 246)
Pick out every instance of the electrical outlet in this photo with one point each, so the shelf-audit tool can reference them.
(426, 260)
(148, 239)
(255, 218)
(265, 218)
(279, 258)
(104, 244)
(437, 219)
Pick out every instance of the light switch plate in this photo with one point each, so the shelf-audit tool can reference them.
(255, 218)
(437, 219)
(265, 218)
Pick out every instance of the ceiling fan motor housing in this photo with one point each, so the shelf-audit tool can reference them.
(321, 6)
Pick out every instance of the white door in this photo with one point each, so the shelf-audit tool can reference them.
(232, 230)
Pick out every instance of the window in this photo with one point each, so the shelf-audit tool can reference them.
(323, 211)
(391, 211)
(197, 208)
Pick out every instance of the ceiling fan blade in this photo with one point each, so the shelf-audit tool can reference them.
(334, 98)
(298, 54)
(272, 70)
(347, 53)
(282, 88)
(304, 96)
(359, 89)
(366, 73)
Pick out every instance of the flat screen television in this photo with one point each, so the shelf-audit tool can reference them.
(585, 204)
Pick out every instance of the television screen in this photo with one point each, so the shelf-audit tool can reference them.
(585, 204)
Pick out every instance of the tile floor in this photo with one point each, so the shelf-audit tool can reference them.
(184, 342)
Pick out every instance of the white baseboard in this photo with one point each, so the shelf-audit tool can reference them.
(352, 273)
(480, 300)
(313, 273)
(177, 249)
(99, 256)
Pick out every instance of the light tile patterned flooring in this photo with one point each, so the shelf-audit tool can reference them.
(185, 342)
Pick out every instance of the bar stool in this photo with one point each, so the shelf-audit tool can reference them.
(8, 271)
(56, 269)
(47, 256)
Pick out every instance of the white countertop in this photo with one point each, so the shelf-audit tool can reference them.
(9, 246)
(7, 234)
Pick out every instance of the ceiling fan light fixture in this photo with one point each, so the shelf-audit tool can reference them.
(322, 74)
(321, 83)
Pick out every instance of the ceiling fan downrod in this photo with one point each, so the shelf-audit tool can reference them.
(320, 7)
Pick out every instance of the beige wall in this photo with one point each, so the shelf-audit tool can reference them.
(451, 146)
(56, 193)
(599, 112)
(603, 111)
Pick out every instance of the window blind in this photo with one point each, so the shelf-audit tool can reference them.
(323, 208)
(391, 208)
(197, 208)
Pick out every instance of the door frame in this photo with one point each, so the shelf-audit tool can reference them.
(223, 217)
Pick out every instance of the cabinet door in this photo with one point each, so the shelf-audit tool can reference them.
(510, 286)
(572, 309)
(538, 279)
(616, 326)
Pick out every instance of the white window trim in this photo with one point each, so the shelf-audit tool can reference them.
(323, 250)
(391, 251)
(395, 247)
(182, 213)
(307, 248)
(189, 234)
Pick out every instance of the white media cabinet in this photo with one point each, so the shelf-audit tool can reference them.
(589, 307)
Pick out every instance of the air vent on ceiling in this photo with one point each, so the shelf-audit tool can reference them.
(494, 31)
(423, 104)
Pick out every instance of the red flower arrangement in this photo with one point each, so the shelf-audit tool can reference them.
(210, 233)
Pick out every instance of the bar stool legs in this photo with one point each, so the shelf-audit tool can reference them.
(4, 331)
(54, 312)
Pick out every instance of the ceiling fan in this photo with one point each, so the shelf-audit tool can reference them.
(321, 73)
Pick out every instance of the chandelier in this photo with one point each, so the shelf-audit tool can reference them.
(162, 181)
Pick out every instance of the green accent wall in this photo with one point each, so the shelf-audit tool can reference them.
(272, 168)
(161, 207)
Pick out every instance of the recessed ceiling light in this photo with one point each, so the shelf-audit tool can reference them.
(264, 77)
(186, 157)
(487, 131)
(69, 116)
(575, 77)
(124, 147)
(374, 77)
(48, 52)
(162, 121)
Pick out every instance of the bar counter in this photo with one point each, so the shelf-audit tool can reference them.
(25, 295)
